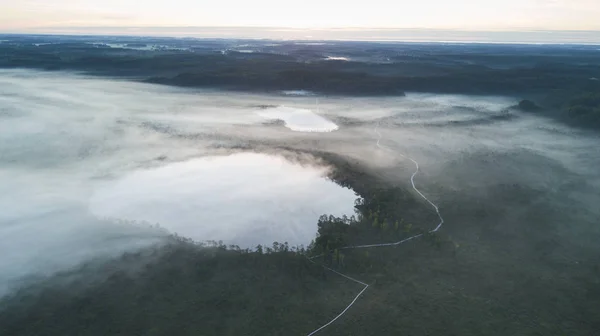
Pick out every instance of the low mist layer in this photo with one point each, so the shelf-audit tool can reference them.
(300, 120)
(244, 199)
(518, 192)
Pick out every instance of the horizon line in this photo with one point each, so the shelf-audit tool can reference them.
(348, 28)
(373, 34)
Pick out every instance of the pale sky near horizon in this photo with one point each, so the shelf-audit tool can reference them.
(22, 15)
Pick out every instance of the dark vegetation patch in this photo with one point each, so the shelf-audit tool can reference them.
(585, 108)
(477, 277)
(189, 288)
(528, 106)
(564, 78)
(495, 269)
(556, 74)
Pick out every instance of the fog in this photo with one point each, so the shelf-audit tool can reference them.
(300, 120)
(245, 199)
(86, 163)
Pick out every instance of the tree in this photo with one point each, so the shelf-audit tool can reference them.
(528, 105)
(342, 257)
(331, 233)
(384, 225)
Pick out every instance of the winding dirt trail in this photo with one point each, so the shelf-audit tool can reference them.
(366, 286)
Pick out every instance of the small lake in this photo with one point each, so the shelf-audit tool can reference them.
(244, 199)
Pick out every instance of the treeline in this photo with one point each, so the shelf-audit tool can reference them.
(276, 247)
(563, 81)
(209, 288)
(181, 289)
(585, 108)
(506, 73)
(253, 77)
(184, 287)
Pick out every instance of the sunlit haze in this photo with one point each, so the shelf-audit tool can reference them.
(41, 16)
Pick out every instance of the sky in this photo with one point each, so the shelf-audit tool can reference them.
(37, 15)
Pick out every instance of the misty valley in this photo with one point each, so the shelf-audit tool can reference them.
(154, 186)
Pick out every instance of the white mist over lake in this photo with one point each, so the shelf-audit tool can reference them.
(244, 199)
(84, 160)
(298, 93)
(300, 120)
